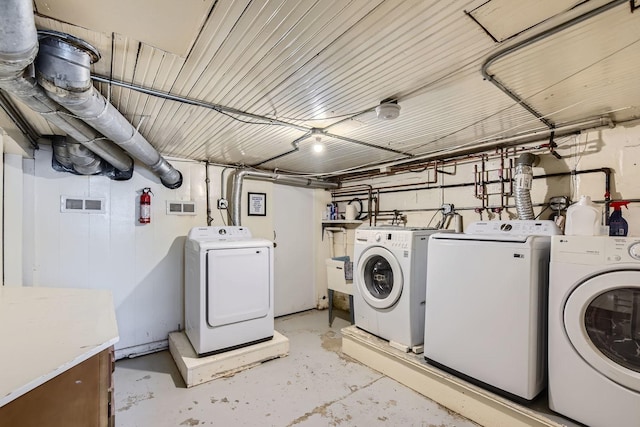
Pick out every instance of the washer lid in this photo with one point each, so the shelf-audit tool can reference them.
(379, 277)
(602, 322)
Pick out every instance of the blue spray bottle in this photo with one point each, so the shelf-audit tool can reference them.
(617, 224)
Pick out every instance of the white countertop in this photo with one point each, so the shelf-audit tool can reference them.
(46, 331)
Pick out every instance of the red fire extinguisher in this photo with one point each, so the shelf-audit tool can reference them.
(145, 206)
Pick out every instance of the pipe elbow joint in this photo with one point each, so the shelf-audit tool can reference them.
(173, 185)
(528, 159)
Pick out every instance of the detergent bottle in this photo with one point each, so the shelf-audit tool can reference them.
(617, 224)
(583, 218)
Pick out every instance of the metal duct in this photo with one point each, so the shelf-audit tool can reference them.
(63, 69)
(523, 179)
(73, 155)
(18, 48)
(240, 175)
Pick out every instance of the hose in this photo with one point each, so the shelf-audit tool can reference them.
(523, 179)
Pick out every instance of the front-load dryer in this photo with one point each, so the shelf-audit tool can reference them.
(486, 304)
(594, 329)
(389, 278)
(228, 289)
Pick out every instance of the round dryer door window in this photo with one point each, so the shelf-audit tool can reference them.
(380, 277)
(602, 320)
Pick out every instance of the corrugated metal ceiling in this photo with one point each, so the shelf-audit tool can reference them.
(327, 64)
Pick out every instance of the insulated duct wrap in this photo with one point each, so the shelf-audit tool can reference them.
(18, 49)
(523, 180)
(76, 157)
(63, 69)
(18, 40)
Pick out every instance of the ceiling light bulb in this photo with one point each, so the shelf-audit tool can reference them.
(318, 147)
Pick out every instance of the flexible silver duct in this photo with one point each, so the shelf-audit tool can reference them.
(18, 49)
(73, 155)
(241, 174)
(63, 69)
(522, 185)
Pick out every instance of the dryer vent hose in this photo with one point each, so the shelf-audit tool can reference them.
(522, 182)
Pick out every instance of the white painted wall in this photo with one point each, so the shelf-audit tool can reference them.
(2, 137)
(141, 264)
(618, 149)
(12, 220)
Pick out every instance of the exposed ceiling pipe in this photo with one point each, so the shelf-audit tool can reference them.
(27, 130)
(531, 40)
(198, 103)
(241, 174)
(489, 144)
(72, 155)
(63, 70)
(229, 110)
(18, 48)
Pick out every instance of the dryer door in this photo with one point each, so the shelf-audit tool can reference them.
(379, 277)
(238, 285)
(602, 321)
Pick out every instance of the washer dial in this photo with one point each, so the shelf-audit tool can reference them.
(634, 250)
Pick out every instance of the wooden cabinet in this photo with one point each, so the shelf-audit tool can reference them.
(78, 397)
(56, 361)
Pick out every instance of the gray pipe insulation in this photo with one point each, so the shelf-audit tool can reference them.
(240, 175)
(18, 49)
(63, 69)
(73, 155)
(522, 185)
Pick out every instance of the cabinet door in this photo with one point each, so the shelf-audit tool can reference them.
(77, 397)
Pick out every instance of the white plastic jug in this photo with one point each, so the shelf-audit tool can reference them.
(583, 218)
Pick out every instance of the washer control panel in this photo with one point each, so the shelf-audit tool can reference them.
(514, 227)
(391, 237)
(595, 250)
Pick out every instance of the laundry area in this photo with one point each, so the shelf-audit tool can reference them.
(320, 213)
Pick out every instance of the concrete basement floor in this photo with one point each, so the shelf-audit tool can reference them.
(316, 385)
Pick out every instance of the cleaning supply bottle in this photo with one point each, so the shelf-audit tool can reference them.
(617, 224)
(583, 218)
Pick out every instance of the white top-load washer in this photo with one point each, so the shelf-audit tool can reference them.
(389, 277)
(594, 329)
(486, 304)
(228, 289)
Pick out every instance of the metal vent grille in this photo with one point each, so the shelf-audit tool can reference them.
(181, 208)
(82, 205)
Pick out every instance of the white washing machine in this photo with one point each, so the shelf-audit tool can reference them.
(228, 289)
(594, 329)
(389, 277)
(486, 304)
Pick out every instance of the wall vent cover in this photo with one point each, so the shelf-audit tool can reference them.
(82, 204)
(181, 208)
